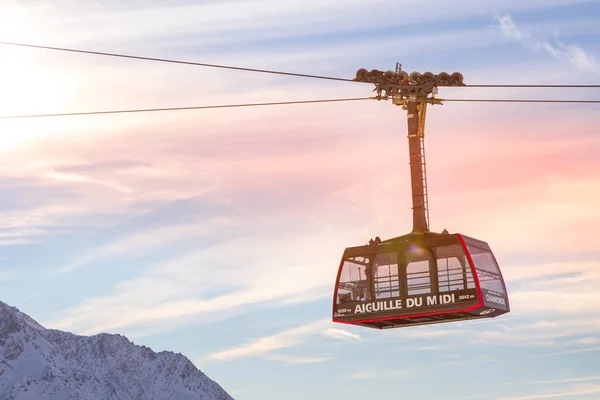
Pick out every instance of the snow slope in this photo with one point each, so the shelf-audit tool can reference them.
(39, 363)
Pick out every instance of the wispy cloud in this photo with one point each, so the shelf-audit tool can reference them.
(414, 370)
(433, 347)
(145, 241)
(574, 391)
(338, 333)
(364, 374)
(297, 359)
(219, 22)
(551, 381)
(238, 391)
(574, 351)
(266, 346)
(392, 373)
(7, 235)
(16, 242)
(187, 286)
(540, 334)
(586, 340)
(7, 275)
(576, 55)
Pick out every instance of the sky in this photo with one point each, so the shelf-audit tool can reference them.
(218, 233)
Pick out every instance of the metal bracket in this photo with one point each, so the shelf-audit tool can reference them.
(400, 85)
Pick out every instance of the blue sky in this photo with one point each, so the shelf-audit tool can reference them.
(218, 233)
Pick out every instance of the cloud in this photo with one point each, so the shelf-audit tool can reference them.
(337, 333)
(15, 236)
(575, 351)
(455, 355)
(371, 374)
(543, 334)
(586, 340)
(364, 374)
(7, 275)
(236, 392)
(426, 333)
(577, 56)
(16, 242)
(405, 373)
(573, 391)
(190, 154)
(543, 272)
(84, 179)
(297, 360)
(553, 381)
(434, 347)
(568, 288)
(221, 23)
(509, 29)
(146, 241)
(218, 280)
(265, 346)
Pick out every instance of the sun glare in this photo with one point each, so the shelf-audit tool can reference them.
(27, 84)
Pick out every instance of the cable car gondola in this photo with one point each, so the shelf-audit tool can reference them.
(423, 277)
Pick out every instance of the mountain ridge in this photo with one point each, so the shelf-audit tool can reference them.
(36, 362)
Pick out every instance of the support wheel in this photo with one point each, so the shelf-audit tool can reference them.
(428, 77)
(444, 79)
(457, 79)
(362, 75)
(415, 77)
(402, 77)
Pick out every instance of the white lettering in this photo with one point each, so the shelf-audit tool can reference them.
(447, 298)
(388, 305)
(495, 299)
(378, 306)
(414, 302)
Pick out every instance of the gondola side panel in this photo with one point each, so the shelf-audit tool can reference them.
(491, 284)
(473, 269)
(495, 300)
(407, 306)
(503, 282)
(335, 289)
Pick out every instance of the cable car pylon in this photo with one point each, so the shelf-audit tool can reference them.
(422, 277)
(413, 92)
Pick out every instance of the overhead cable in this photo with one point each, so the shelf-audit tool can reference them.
(176, 61)
(524, 101)
(278, 72)
(280, 103)
(531, 86)
(182, 108)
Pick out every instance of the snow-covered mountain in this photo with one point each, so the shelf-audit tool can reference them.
(39, 363)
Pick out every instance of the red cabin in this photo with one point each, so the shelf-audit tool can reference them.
(419, 279)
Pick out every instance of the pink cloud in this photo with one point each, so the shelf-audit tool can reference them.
(318, 162)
